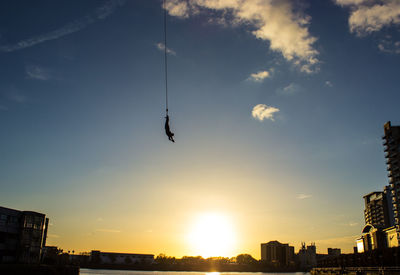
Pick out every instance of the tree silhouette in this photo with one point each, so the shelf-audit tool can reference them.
(128, 260)
(245, 259)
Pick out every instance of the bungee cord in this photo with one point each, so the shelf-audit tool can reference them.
(167, 129)
(165, 57)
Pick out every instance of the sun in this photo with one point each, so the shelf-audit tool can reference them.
(212, 235)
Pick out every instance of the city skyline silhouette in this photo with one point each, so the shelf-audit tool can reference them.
(278, 109)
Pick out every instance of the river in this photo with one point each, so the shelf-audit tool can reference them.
(84, 271)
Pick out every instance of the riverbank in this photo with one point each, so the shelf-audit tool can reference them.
(20, 269)
(356, 271)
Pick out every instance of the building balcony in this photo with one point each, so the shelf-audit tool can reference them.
(388, 140)
(393, 174)
(391, 161)
(390, 153)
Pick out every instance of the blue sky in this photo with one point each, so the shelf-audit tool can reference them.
(277, 107)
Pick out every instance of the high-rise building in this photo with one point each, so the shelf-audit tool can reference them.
(376, 211)
(276, 253)
(22, 235)
(307, 256)
(388, 194)
(392, 154)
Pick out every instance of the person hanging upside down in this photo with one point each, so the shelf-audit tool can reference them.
(167, 130)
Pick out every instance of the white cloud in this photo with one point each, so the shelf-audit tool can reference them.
(303, 196)
(274, 21)
(177, 8)
(259, 76)
(371, 16)
(262, 111)
(100, 13)
(37, 72)
(328, 83)
(108, 230)
(161, 47)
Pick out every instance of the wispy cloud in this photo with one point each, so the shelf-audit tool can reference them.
(100, 13)
(37, 72)
(14, 94)
(161, 47)
(290, 89)
(99, 219)
(259, 76)
(262, 111)
(349, 2)
(328, 83)
(389, 46)
(352, 224)
(368, 16)
(279, 23)
(338, 241)
(108, 230)
(303, 196)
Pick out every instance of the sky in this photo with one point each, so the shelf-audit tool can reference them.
(277, 108)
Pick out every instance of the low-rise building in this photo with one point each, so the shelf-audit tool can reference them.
(376, 238)
(334, 251)
(22, 235)
(391, 237)
(98, 257)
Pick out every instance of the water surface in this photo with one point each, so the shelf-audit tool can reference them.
(85, 271)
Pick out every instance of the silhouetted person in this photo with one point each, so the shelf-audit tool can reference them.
(167, 130)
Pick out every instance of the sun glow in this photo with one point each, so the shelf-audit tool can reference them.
(212, 235)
